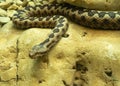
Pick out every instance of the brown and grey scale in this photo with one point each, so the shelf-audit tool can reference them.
(54, 16)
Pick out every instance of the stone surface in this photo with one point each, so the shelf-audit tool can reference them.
(5, 5)
(97, 53)
(4, 20)
(97, 50)
(95, 4)
(3, 12)
(8, 56)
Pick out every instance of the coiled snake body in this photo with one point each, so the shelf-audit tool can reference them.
(50, 15)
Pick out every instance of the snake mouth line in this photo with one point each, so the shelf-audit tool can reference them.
(39, 54)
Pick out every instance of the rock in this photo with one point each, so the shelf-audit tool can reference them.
(96, 50)
(10, 13)
(13, 7)
(3, 12)
(4, 20)
(95, 4)
(25, 2)
(8, 60)
(31, 3)
(5, 5)
(19, 2)
(87, 57)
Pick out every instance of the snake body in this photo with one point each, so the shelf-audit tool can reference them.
(54, 16)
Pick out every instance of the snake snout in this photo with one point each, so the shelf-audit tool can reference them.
(37, 51)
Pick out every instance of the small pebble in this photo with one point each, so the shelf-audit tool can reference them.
(3, 12)
(5, 5)
(13, 7)
(4, 20)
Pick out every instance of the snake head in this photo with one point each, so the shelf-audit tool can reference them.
(37, 51)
